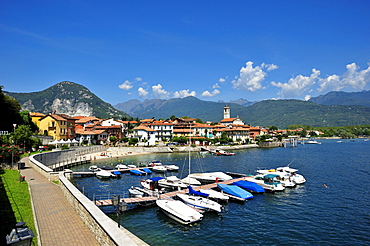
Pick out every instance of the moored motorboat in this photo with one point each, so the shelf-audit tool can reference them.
(285, 180)
(172, 182)
(121, 166)
(199, 200)
(249, 186)
(103, 174)
(94, 168)
(205, 178)
(292, 174)
(135, 193)
(172, 168)
(179, 211)
(159, 169)
(137, 172)
(220, 176)
(212, 194)
(269, 182)
(151, 184)
(190, 181)
(147, 170)
(235, 191)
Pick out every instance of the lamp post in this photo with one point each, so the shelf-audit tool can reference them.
(118, 207)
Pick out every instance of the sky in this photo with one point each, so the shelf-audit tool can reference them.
(213, 50)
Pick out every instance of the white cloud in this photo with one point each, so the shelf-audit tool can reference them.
(127, 85)
(250, 78)
(210, 94)
(159, 92)
(221, 80)
(307, 97)
(142, 92)
(215, 86)
(353, 78)
(298, 85)
(138, 79)
(184, 93)
(269, 67)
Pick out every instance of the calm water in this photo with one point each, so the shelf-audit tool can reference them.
(307, 215)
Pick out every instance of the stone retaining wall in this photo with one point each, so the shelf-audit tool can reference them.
(104, 229)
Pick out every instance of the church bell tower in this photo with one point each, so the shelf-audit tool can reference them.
(226, 112)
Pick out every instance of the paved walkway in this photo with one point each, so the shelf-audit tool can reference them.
(57, 221)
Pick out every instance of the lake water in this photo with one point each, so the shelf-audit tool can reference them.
(309, 214)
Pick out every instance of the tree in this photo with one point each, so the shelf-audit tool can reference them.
(273, 128)
(133, 141)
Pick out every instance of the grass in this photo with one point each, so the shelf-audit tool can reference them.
(15, 203)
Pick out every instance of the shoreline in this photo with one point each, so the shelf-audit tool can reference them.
(120, 152)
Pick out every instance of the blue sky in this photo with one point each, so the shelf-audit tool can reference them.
(214, 50)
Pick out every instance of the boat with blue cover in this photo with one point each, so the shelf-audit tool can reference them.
(147, 170)
(235, 191)
(249, 186)
(137, 172)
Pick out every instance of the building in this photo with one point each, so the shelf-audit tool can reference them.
(57, 126)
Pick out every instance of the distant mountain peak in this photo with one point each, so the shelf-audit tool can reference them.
(66, 97)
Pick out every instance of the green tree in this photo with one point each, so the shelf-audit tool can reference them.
(133, 141)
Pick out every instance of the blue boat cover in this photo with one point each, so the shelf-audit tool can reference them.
(156, 178)
(197, 193)
(250, 186)
(117, 173)
(137, 172)
(147, 170)
(235, 191)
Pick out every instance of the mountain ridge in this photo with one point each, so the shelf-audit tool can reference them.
(66, 98)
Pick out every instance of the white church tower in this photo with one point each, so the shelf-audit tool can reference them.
(226, 112)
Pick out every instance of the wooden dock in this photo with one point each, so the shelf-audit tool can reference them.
(169, 195)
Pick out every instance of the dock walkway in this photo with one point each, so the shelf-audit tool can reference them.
(168, 195)
(57, 221)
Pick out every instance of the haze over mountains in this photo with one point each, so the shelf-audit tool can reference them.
(332, 109)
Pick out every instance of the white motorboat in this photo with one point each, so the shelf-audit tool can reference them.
(191, 181)
(131, 166)
(135, 193)
(172, 182)
(179, 211)
(103, 174)
(268, 182)
(312, 142)
(203, 177)
(292, 174)
(121, 166)
(172, 168)
(285, 180)
(94, 168)
(159, 169)
(151, 184)
(215, 194)
(221, 176)
(200, 202)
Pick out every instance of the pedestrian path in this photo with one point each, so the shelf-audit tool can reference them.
(57, 221)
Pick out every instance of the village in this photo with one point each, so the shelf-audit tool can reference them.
(63, 129)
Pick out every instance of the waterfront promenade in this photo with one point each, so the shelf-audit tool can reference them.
(56, 220)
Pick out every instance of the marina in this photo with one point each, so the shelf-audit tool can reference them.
(310, 213)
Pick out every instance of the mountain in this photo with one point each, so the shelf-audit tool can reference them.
(280, 113)
(242, 101)
(188, 106)
(344, 98)
(66, 98)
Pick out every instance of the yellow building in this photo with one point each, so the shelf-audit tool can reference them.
(57, 126)
(36, 118)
